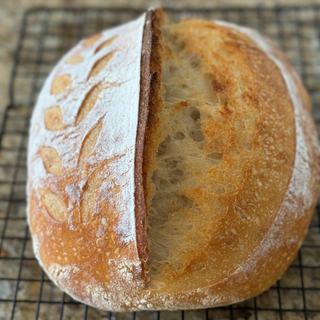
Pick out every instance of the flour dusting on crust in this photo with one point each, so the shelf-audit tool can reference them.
(86, 117)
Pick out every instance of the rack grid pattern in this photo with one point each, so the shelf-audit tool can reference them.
(46, 34)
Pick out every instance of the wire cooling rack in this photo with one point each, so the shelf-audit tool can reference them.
(46, 34)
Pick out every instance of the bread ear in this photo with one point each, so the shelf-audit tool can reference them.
(149, 100)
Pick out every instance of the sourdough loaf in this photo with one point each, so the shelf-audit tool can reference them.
(171, 166)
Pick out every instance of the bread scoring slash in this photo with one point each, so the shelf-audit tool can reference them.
(171, 166)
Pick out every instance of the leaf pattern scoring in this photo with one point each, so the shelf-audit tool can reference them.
(53, 119)
(100, 64)
(60, 83)
(51, 160)
(89, 144)
(92, 40)
(89, 197)
(89, 102)
(75, 59)
(54, 205)
(106, 43)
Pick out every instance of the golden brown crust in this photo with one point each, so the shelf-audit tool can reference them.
(81, 234)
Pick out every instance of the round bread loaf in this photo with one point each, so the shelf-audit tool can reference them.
(171, 166)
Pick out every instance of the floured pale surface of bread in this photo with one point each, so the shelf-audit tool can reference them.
(171, 166)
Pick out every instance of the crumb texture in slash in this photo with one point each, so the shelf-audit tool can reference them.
(208, 192)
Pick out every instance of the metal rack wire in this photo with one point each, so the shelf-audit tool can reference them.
(46, 34)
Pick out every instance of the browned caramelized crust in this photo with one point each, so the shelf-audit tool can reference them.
(171, 165)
